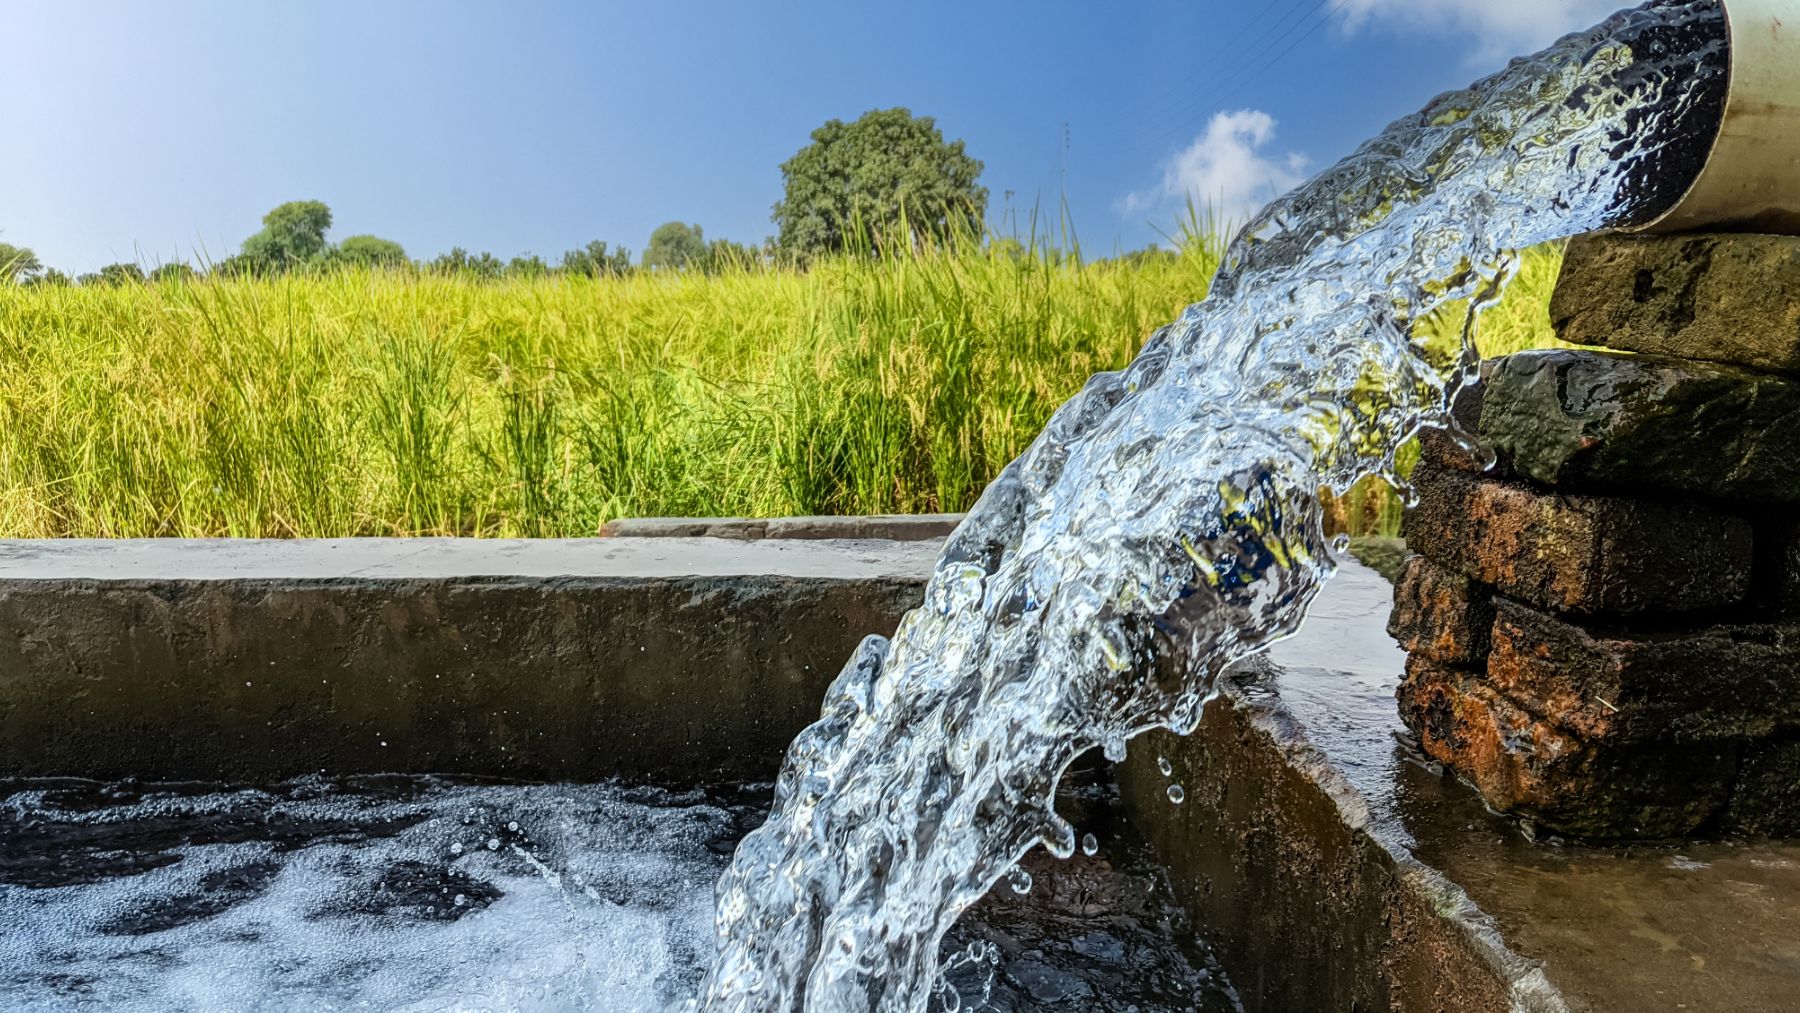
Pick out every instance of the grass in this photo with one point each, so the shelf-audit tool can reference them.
(372, 402)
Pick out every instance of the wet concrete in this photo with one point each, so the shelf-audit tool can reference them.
(1331, 870)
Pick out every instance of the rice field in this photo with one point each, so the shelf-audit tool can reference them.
(400, 402)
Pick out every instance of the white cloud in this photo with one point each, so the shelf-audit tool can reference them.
(1224, 171)
(1498, 28)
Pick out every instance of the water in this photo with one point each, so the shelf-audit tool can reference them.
(422, 894)
(1166, 523)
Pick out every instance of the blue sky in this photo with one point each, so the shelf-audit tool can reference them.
(152, 131)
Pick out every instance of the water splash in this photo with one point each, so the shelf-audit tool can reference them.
(1166, 523)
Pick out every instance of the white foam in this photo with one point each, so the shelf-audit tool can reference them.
(605, 904)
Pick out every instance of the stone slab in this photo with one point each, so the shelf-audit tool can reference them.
(1441, 615)
(891, 527)
(1597, 421)
(676, 661)
(1579, 553)
(1726, 297)
(1705, 683)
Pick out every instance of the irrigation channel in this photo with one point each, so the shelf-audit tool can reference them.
(1166, 522)
(1165, 525)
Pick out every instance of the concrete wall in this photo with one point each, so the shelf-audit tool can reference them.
(674, 660)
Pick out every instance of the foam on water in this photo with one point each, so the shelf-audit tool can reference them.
(1166, 524)
(460, 898)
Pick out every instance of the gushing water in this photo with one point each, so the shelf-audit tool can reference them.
(1166, 522)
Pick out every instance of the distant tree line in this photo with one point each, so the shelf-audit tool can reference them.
(887, 179)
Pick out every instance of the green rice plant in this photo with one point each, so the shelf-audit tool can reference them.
(375, 401)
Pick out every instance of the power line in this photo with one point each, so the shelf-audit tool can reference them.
(1173, 93)
(1317, 18)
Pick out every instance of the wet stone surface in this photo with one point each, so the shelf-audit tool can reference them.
(391, 892)
(1724, 297)
(1598, 421)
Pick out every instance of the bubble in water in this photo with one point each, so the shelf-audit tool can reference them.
(513, 826)
(1163, 764)
(456, 847)
(459, 900)
(1089, 844)
(1177, 794)
(1019, 880)
(493, 844)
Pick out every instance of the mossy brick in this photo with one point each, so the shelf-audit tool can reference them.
(1527, 767)
(1602, 421)
(1580, 554)
(1732, 298)
(1441, 614)
(1766, 797)
(1708, 683)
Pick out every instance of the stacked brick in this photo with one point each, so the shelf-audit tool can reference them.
(1604, 629)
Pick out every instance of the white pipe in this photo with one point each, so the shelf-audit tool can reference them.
(1751, 179)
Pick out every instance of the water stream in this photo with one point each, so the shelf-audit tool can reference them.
(1166, 523)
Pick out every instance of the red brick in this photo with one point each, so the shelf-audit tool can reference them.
(1577, 553)
(1439, 614)
(1524, 766)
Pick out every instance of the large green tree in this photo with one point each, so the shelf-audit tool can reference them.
(293, 235)
(676, 245)
(18, 264)
(890, 173)
(369, 251)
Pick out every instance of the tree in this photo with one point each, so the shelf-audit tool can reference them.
(18, 264)
(529, 265)
(595, 260)
(293, 235)
(368, 251)
(887, 171)
(676, 245)
(482, 265)
(725, 255)
(51, 276)
(115, 274)
(173, 271)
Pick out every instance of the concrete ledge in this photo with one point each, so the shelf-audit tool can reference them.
(892, 527)
(668, 660)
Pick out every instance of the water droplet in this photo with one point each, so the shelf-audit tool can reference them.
(1163, 764)
(1019, 880)
(1176, 794)
(1089, 844)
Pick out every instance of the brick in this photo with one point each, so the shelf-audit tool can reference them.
(1732, 298)
(1599, 421)
(1524, 766)
(1579, 553)
(1766, 798)
(1441, 615)
(1716, 682)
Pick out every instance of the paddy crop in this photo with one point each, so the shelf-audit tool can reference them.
(361, 402)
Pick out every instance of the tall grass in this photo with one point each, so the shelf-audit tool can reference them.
(375, 402)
